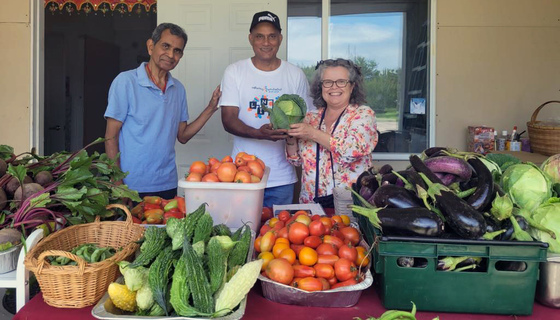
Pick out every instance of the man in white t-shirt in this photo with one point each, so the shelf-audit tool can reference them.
(252, 83)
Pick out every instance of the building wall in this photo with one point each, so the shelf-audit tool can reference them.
(496, 62)
(15, 75)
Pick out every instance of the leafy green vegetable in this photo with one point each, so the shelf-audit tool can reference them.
(549, 215)
(503, 160)
(527, 185)
(176, 230)
(551, 167)
(288, 109)
(83, 186)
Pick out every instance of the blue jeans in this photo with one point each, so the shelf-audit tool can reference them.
(278, 195)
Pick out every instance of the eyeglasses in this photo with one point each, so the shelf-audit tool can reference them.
(341, 83)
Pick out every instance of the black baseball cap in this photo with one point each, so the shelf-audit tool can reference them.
(265, 16)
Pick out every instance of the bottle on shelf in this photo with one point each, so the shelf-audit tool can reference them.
(502, 141)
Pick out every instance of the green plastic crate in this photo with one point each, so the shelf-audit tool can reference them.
(492, 291)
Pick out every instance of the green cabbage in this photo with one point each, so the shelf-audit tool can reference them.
(551, 167)
(288, 109)
(548, 215)
(527, 185)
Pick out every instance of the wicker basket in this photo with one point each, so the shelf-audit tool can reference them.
(82, 285)
(545, 139)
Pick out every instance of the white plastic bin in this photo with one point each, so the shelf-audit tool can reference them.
(230, 203)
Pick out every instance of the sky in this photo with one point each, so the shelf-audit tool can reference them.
(376, 36)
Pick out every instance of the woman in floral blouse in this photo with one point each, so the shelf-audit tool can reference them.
(341, 134)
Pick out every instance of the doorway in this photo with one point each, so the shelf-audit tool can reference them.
(84, 52)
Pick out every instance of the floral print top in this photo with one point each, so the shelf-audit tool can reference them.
(351, 146)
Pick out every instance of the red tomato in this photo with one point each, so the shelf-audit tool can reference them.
(317, 228)
(302, 271)
(194, 177)
(278, 225)
(261, 163)
(242, 177)
(226, 172)
(267, 241)
(295, 282)
(324, 270)
(327, 259)
(280, 270)
(310, 284)
(212, 161)
(256, 168)
(337, 220)
(257, 244)
(312, 241)
(345, 269)
(315, 217)
(215, 166)
(210, 177)
(283, 233)
(297, 232)
(227, 159)
(284, 215)
(300, 212)
(297, 248)
(264, 229)
(266, 214)
(348, 282)
(362, 258)
(348, 251)
(338, 234)
(325, 282)
(351, 234)
(337, 242)
(328, 224)
(136, 220)
(198, 166)
(332, 281)
(327, 248)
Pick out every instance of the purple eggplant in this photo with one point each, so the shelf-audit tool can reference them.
(393, 196)
(448, 164)
(484, 193)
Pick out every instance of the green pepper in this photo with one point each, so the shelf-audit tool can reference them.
(171, 205)
(96, 254)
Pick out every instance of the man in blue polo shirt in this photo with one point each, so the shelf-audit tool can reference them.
(147, 111)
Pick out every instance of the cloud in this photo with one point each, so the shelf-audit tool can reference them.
(379, 42)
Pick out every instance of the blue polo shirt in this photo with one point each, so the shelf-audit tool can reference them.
(150, 122)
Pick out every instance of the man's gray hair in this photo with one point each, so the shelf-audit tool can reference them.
(173, 29)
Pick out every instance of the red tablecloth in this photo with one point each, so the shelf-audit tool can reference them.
(260, 308)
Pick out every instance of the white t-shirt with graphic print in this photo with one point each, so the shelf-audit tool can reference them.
(248, 88)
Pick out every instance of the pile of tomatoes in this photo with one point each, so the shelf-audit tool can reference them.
(311, 252)
(245, 168)
(156, 210)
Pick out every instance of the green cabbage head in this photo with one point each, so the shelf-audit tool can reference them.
(551, 167)
(548, 215)
(288, 109)
(527, 185)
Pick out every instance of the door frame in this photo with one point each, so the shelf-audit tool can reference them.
(37, 112)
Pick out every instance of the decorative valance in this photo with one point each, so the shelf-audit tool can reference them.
(103, 6)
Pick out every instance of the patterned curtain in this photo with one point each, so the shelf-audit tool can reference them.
(87, 6)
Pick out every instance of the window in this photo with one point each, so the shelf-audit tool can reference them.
(389, 40)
